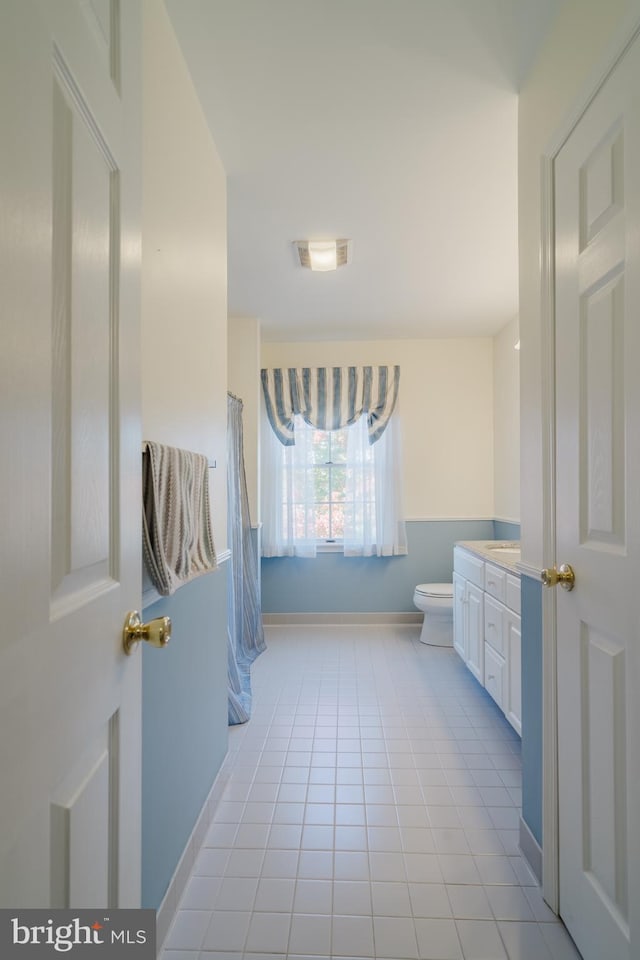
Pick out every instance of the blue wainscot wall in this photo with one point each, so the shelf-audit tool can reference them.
(332, 583)
(184, 724)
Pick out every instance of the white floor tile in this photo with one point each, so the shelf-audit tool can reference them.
(390, 899)
(469, 902)
(227, 931)
(395, 937)
(480, 940)
(423, 868)
(282, 864)
(188, 930)
(274, 895)
(352, 936)
(496, 870)
(313, 896)
(509, 903)
(459, 868)
(558, 941)
(268, 932)
(351, 865)
(315, 865)
(438, 940)
(352, 898)
(429, 900)
(524, 941)
(252, 835)
(310, 935)
(386, 867)
(244, 863)
(237, 893)
(211, 862)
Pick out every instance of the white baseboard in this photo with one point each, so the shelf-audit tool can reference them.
(167, 909)
(282, 619)
(531, 850)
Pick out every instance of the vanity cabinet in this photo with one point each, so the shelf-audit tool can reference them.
(486, 621)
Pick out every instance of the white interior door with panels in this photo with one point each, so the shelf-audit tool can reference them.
(597, 322)
(70, 470)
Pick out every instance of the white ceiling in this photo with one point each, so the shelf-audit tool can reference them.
(390, 122)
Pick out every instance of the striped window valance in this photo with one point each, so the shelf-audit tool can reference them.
(329, 398)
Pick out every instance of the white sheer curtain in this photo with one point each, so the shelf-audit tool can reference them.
(374, 524)
(287, 471)
(373, 517)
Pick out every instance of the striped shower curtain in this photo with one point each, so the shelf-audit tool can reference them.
(245, 633)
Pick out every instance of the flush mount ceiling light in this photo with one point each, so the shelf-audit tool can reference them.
(323, 254)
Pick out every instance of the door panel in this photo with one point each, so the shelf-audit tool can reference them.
(69, 255)
(597, 199)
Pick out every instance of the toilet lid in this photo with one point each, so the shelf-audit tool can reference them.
(435, 589)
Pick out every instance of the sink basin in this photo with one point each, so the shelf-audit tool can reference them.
(507, 551)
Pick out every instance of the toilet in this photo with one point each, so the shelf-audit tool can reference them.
(436, 602)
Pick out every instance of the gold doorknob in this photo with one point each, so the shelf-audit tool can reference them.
(156, 632)
(562, 575)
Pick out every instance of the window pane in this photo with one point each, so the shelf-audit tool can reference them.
(338, 483)
(337, 521)
(303, 521)
(339, 445)
(322, 483)
(301, 480)
(322, 522)
(320, 444)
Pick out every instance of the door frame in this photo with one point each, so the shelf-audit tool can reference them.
(624, 37)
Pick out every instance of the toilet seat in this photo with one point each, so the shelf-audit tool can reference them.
(441, 590)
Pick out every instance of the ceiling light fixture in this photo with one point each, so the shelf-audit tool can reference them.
(323, 254)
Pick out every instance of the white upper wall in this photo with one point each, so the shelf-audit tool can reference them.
(184, 264)
(506, 422)
(446, 405)
(579, 38)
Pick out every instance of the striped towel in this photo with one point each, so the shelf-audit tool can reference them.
(177, 535)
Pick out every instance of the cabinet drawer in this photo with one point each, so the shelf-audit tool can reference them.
(494, 624)
(495, 582)
(513, 593)
(494, 674)
(468, 566)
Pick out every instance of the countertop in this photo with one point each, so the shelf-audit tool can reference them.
(485, 549)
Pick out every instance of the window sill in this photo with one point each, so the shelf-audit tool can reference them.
(330, 547)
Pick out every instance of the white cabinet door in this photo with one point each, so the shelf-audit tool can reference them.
(459, 616)
(475, 630)
(513, 644)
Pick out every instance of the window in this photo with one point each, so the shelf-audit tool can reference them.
(332, 486)
(321, 484)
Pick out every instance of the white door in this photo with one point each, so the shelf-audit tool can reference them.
(70, 464)
(597, 224)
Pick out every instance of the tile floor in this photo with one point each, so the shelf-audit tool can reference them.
(371, 812)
